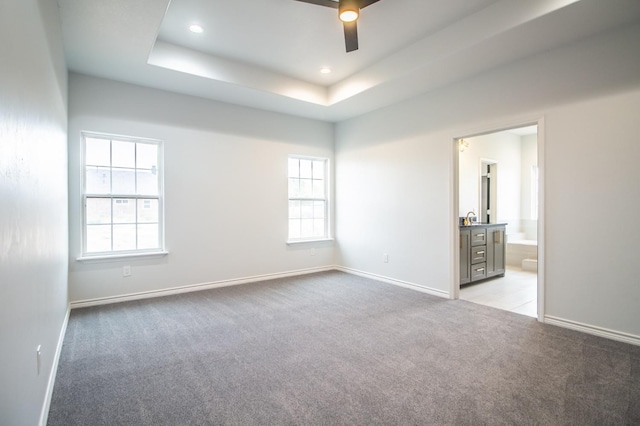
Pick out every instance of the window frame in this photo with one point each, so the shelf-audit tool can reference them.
(115, 254)
(326, 199)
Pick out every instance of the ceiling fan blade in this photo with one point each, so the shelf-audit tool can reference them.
(351, 36)
(328, 3)
(365, 3)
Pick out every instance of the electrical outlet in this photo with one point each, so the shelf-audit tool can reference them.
(38, 357)
(312, 251)
(385, 258)
(126, 271)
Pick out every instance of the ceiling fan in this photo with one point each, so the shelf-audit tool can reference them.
(348, 12)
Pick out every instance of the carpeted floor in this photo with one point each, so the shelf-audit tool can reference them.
(332, 348)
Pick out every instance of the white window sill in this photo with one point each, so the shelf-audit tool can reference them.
(315, 240)
(107, 257)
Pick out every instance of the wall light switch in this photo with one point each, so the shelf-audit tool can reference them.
(126, 271)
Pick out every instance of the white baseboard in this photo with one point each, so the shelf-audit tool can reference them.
(193, 287)
(44, 414)
(594, 330)
(405, 284)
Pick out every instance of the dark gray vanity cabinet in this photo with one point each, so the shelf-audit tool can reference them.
(495, 251)
(465, 265)
(482, 252)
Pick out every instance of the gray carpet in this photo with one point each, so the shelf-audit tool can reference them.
(333, 348)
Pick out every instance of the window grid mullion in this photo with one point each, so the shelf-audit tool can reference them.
(111, 187)
(135, 181)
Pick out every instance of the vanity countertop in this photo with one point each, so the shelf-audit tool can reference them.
(486, 225)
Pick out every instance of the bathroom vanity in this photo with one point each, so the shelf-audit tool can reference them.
(482, 251)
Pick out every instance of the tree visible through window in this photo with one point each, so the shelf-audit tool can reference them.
(307, 198)
(122, 195)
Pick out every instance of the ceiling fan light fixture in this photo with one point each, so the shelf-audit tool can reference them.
(348, 10)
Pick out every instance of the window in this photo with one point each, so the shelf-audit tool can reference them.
(308, 206)
(122, 198)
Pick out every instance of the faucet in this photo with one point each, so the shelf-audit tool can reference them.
(467, 221)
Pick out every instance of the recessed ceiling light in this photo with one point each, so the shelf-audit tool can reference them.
(325, 70)
(195, 28)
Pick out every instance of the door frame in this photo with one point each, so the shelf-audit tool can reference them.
(454, 288)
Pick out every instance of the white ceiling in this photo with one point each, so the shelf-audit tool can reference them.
(267, 53)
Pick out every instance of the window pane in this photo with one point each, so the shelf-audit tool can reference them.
(124, 237)
(306, 209)
(294, 170)
(306, 188)
(318, 209)
(124, 210)
(318, 228)
(98, 211)
(318, 189)
(294, 209)
(98, 180)
(148, 236)
(98, 238)
(294, 188)
(147, 211)
(123, 154)
(147, 156)
(124, 181)
(147, 182)
(116, 172)
(97, 152)
(294, 228)
(305, 169)
(306, 228)
(318, 169)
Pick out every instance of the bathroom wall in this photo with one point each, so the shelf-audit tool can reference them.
(503, 148)
(528, 217)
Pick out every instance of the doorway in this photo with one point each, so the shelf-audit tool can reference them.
(487, 188)
(498, 177)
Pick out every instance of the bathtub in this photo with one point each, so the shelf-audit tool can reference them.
(523, 254)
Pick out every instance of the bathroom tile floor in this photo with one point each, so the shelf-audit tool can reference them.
(515, 292)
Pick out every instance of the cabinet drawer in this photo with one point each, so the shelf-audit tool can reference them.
(479, 237)
(478, 254)
(478, 271)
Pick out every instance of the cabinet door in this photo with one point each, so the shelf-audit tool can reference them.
(495, 251)
(465, 239)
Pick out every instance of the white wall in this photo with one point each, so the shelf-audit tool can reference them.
(33, 206)
(225, 187)
(503, 148)
(528, 223)
(395, 176)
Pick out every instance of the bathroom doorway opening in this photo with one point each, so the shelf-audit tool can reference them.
(498, 177)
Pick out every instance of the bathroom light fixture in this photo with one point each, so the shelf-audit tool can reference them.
(349, 10)
(195, 28)
(462, 145)
(325, 70)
